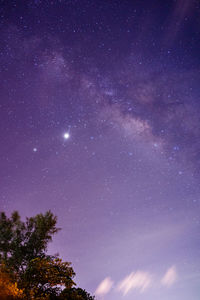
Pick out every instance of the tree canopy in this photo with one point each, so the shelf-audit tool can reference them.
(26, 270)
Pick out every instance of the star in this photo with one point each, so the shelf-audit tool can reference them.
(66, 135)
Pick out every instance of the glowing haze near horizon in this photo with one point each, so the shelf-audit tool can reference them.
(99, 123)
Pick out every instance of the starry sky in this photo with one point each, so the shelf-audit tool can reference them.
(100, 123)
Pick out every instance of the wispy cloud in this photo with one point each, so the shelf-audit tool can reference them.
(139, 280)
(104, 287)
(170, 277)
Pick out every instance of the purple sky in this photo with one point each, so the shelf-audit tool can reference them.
(99, 105)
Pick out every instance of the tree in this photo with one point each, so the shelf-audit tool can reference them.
(8, 289)
(23, 257)
(20, 242)
(75, 294)
(44, 274)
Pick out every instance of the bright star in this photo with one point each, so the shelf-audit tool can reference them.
(66, 135)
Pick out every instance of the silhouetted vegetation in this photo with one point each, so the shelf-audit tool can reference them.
(26, 270)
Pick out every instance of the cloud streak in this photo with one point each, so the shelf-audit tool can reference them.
(104, 287)
(139, 280)
(170, 277)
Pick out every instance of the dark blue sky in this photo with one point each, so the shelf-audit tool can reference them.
(99, 104)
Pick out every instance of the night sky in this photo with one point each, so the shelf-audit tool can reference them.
(100, 123)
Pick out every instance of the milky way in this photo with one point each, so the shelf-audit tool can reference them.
(99, 105)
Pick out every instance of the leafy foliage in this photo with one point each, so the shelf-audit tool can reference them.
(28, 271)
(8, 289)
(43, 275)
(20, 242)
(75, 294)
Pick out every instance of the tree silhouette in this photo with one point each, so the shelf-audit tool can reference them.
(29, 271)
